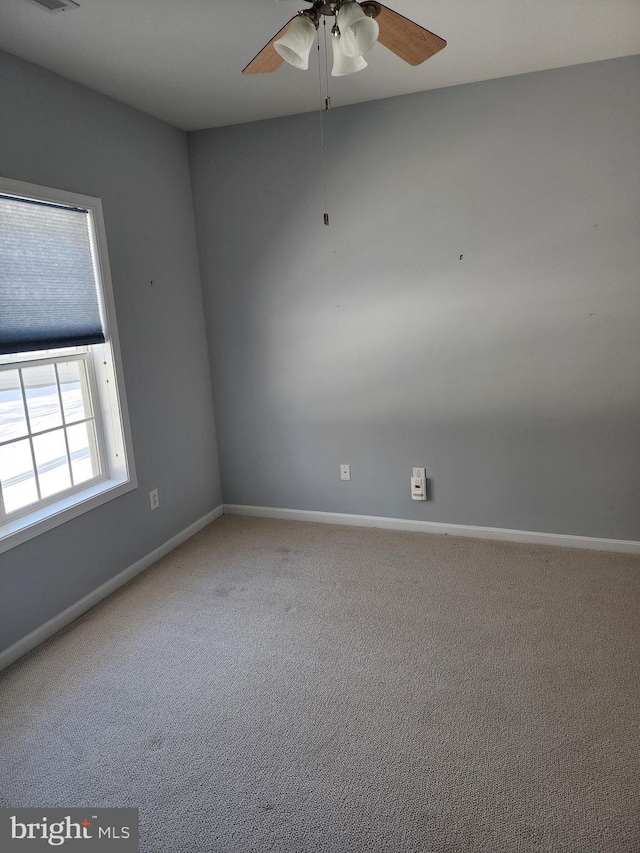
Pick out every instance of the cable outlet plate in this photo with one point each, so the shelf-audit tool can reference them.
(345, 472)
(154, 499)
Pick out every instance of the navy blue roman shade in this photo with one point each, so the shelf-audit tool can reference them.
(48, 288)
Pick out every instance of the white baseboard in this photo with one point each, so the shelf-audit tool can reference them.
(627, 546)
(17, 650)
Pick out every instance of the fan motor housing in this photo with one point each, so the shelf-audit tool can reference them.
(329, 9)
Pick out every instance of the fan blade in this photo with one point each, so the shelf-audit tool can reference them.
(403, 37)
(267, 60)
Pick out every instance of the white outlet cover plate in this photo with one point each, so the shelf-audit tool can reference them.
(419, 472)
(345, 472)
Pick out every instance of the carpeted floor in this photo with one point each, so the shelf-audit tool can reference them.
(290, 687)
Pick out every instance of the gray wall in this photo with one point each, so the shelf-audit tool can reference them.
(512, 373)
(63, 135)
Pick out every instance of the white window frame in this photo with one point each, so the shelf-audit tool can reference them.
(85, 356)
(118, 474)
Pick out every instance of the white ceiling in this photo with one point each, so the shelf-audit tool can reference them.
(180, 60)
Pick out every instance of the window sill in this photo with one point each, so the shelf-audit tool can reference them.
(47, 517)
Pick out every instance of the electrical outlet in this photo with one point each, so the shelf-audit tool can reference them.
(418, 489)
(419, 472)
(154, 499)
(345, 472)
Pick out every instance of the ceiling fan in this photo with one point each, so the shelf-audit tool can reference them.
(357, 28)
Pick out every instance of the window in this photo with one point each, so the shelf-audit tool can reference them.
(65, 443)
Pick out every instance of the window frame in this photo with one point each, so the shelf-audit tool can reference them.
(109, 400)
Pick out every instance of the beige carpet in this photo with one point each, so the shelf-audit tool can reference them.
(284, 686)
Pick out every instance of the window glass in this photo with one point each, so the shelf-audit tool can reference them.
(41, 391)
(13, 421)
(17, 476)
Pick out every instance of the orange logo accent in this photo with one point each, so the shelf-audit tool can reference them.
(85, 822)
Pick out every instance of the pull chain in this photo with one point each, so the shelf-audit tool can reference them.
(325, 106)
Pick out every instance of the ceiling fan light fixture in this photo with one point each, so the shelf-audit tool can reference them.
(343, 64)
(360, 26)
(359, 32)
(295, 45)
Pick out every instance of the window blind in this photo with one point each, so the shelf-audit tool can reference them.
(48, 288)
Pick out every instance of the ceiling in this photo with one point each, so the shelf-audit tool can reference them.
(181, 60)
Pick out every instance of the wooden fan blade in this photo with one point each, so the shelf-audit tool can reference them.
(267, 60)
(403, 37)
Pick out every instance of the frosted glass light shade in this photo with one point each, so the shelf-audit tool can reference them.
(295, 45)
(359, 32)
(342, 64)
